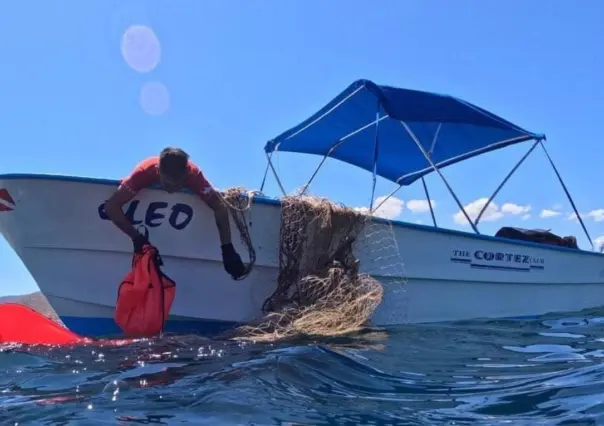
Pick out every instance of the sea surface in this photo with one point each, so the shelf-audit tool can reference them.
(540, 372)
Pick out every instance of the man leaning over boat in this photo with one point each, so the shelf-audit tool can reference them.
(173, 170)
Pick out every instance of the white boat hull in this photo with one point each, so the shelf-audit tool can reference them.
(78, 259)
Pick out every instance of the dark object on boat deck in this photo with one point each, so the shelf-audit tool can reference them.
(540, 236)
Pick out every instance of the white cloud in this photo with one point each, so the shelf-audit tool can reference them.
(492, 212)
(391, 209)
(597, 215)
(549, 213)
(515, 209)
(420, 206)
(526, 217)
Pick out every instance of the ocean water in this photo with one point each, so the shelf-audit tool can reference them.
(542, 372)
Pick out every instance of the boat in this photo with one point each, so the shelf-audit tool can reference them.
(57, 226)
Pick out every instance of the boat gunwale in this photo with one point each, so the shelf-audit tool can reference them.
(263, 199)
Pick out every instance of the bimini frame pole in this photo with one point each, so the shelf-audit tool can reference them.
(270, 163)
(341, 141)
(567, 193)
(387, 197)
(484, 208)
(307, 184)
(332, 149)
(437, 170)
(375, 154)
(434, 139)
(429, 201)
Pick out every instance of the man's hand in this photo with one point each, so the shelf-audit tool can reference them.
(138, 242)
(232, 261)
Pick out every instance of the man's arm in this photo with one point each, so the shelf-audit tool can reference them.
(200, 186)
(221, 215)
(113, 208)
(129, 187)
(230, 258)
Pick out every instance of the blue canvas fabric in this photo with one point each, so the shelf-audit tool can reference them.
(348, 122)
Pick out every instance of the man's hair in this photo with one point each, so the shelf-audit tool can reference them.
(173, 162)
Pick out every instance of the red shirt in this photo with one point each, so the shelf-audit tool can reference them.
(146, 173)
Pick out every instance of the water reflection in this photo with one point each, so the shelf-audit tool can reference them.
(493, 372)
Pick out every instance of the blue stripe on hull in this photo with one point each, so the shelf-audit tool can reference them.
(106, 327)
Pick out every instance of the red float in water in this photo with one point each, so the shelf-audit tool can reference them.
(21, 324)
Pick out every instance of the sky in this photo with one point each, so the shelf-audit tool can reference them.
(89, 88)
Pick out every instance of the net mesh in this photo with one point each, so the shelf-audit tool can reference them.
(320, 289)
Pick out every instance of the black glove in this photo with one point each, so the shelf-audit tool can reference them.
(138, 242)
(232, 262)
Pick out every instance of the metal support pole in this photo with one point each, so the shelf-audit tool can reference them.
(375, 153)
(434, 139)
(567, 193)
(484, 208)
(340, 142)
(386, 199)
(265, 172)
(276, 175)
(437, 170)
(429, 202)
(307, 184)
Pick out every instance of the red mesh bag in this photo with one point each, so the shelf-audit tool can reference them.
(145, 296)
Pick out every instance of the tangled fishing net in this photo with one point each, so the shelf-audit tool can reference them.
(320, 290)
